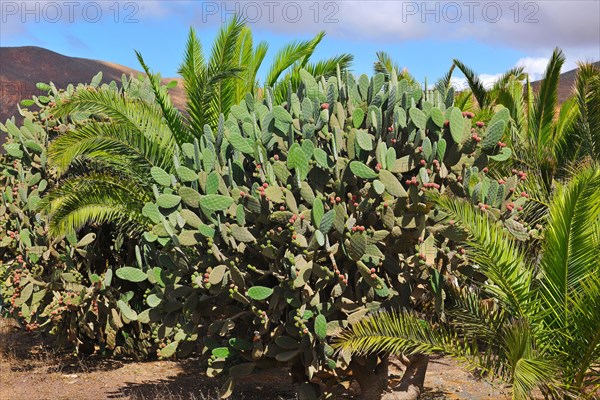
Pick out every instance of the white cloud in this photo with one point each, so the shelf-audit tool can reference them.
(489, 80)
(534, 27)
(534, 66)
(460, 83)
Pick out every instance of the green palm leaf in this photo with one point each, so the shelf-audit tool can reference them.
(505, 79)
(112, 144)
(527, 368)
(566, 142)
(511, 96)
(131, 113)
(173, 117)
(328, 67)
(219, 96)
(323, 68)
(249, 60)
(445, 82)
(193, 71)
(583, 348)
(475, 84)
(298, 51)
(571, 248)
(399, 332)
(587, 94)
(95, 199)
(386, 65)
(544, 109)
(495, 253)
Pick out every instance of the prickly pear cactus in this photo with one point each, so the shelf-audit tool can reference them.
(57, 285)
(275, 231)
(294, 220)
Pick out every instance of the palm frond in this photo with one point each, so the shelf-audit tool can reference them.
(403, 331)
(248, 61)
(566, 138)
(173, 117)
(515, 73)
(495, 253)
(132, 113)
(259, 55)
(290, 54)
(222, 66)
(535, 211)
(472, 317)
(532, 373)
(544, 108)
(95, 199)
(510, 95)
(584, 327)
(193, 71)
(398, 332)
(570, 249)
(587, 94)
(323, 68)
(328, 67)
(464, 101)
(386, 65)
(475, 84)
(115, 145)
(445, 82)
(527, 368)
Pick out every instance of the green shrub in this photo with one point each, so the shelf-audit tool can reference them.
(294, 220)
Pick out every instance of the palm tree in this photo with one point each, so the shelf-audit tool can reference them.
(284, 73)
(213, 86)
(385, 65)
(547, 138)
(133, 134)
(540, 325)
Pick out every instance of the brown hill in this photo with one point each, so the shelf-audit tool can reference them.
(22, 67)
(566, 84)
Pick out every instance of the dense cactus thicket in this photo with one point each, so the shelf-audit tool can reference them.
(293, 220)
(285, 225)
(61, 285)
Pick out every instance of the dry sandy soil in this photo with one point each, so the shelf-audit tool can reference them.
(30, 369)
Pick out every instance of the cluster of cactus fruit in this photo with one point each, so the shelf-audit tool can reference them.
(293, 220)
(51, 284)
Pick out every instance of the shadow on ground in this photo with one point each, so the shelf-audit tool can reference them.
(31, 367)
(26, 351)
(191, 383)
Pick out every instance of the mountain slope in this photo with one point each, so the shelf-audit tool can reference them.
(22, 67)
(565, 86)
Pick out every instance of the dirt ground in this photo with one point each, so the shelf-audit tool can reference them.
(31, 370)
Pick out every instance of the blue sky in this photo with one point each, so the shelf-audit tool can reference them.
(489, 36)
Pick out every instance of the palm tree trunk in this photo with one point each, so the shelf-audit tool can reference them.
(372, 377)
(373, 380)
(411, 384)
